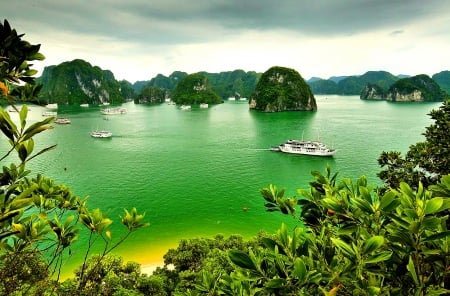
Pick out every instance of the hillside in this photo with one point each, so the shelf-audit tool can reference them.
(419, 88)
(282, 89)
(352, 85)
(78, 82)
(443, 79)
(416, 88)
(226, 84)
(195, 89)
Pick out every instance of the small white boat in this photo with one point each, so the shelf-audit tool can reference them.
(231, 99)
(49, 113)
(101, 134)
(114, 111)
(204, 105)
(185, 107)
(314, 148)
(62, 120)
(85, 105)
(52, 106)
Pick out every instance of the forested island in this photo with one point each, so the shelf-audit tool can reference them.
(352, 238)
(420, 88)
(77, 82)
(282, 89)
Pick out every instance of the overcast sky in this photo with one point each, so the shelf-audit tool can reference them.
(138, 39)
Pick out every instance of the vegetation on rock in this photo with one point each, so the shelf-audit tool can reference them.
(352, 85)
(226, 84)
(150, 94)
(429, 90)
(282, 89)
(77, 82)
(195, 89)
(443, 79)
(417, 88)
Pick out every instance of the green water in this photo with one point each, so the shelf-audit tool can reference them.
(192, 172)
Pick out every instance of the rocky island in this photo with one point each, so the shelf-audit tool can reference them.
(195, 89)
(419, 88)
(282, 89)
(77, 82)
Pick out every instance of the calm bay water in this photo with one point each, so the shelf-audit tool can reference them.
(192, 172)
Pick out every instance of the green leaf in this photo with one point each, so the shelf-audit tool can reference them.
(414, 227)
(300, 269)
(389, 202)
(383, 256)
(433, 205)
(344, 247)
(438, 236)
(363, 204)
(283, 235)
(412, 270)
(241, 259)
(20, 203)
(373, 244)
(275, 283)
(23, 116)
(23, 152)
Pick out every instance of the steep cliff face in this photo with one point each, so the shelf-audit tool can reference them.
(195, 89)
(373, 92)
(79, 82)
(397, 96)
(418, 88)
(282, 89)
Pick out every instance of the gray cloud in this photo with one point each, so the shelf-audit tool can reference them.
(170, 21)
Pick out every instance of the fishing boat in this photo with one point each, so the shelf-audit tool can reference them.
(52, 106)
(49, 113)
(101, 134)
(185, 107)
(114, 111)
(314, 148)
(62, 120)
(204, 105)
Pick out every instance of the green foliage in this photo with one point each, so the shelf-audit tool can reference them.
(282, 89)
(127, 91)
(430, 90)
(39, 220)
(359, 243)
(150, 94)
(15, 53)
(353, 85)
(373, 91)
(196, 264)
(78, 82)
(324, 86)
(425, 162)
(225, 84)
(443, 79)
(195, 89)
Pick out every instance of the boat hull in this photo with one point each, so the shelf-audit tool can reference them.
(311, 148)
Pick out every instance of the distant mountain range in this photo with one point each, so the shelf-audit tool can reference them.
(79, 82)
(353, 85)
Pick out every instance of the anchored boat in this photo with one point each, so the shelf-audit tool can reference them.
(314, 148)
